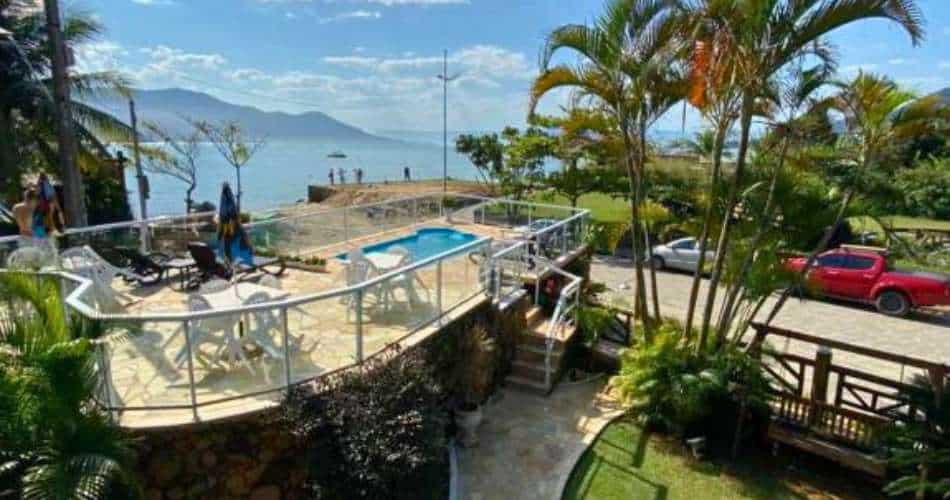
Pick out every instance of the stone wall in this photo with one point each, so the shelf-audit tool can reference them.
(255, 458)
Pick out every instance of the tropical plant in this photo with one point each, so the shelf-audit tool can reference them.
(477, 353)
(670, 386)
(625, 69)
(27, 106)
(921, 449)
(742, 46)
(373, 433)
(512, 161)
(703, 145)
(880, 117)
(234, 144)
(56, 444)
(925, 189)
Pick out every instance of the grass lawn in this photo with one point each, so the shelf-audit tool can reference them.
(898, 222)
(603, 208)
(626, 463)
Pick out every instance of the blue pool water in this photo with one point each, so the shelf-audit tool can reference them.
(424, 244)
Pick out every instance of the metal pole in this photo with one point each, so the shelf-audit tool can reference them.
(72, 177)
(359, 325)
(107, 379)
(283, 320)
(140, 177)
(191, 370)
(445, 120)
(438, 289)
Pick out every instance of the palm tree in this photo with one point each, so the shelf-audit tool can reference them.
(624, 69)
(755, 40)
(880, 117)
(27, 107)
(56, 443)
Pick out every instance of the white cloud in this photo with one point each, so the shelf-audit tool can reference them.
(855, 68)
(943, 65)
(479, 61)
(900, 61)
(356, 14)
(98, 56)
(153, 2)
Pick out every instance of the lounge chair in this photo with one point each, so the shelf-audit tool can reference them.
(85, 262)
(263, 264)
(146, 269)
(207, 264)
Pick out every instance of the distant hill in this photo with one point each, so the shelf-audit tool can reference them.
(167, 106)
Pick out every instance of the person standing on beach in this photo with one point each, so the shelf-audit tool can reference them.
(331, 176)
(405, 174)
(359, 176)
(342, 175)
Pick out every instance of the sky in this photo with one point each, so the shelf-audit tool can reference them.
(374, 63)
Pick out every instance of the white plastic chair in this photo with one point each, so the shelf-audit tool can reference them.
(259, 328)
(85, 262)
(31, 257)
(207, 330)
(407, 280)
(358, 270)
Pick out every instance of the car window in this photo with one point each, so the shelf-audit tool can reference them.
(831, 261)
(685, 245)
(860, 263)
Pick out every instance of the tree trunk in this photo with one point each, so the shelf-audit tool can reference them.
(725, 232)
(654, 290)
(640, 305)
(239, 193)
(69, 169)
(727, 312)
(813, 256)
(9, 179)
(704, 234)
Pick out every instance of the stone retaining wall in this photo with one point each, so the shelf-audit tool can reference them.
(254, 457)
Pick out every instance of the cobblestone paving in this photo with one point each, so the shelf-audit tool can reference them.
(925, 335)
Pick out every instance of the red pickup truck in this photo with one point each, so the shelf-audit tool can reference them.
(865, 276)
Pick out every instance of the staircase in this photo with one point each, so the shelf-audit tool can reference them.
(529, 366)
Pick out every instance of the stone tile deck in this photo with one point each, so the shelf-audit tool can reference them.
(148, 360)
(529, 444)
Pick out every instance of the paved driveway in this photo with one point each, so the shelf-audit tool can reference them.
(925, 335)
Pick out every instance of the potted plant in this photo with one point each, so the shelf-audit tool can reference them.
(475, 368)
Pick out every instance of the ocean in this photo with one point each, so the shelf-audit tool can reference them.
(281, 171)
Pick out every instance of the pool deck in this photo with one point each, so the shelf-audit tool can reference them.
(148, 360)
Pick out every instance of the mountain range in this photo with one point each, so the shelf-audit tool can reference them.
(168, 107)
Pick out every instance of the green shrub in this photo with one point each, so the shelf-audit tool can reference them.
(671, 387)
(378, 432)
(925, 189)
(605, 237)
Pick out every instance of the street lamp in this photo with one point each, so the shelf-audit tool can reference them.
(445, 117)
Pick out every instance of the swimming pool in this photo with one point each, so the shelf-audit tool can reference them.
(423, 244)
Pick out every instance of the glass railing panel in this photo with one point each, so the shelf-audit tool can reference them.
(322, 336)
(143, 368)
(460, 277)
(398, 306)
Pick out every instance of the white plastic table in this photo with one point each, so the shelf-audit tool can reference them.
(235, 296)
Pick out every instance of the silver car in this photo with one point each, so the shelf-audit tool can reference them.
(679, 254)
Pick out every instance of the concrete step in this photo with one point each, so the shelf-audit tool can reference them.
(534, 316)
(530, 370)
(535, 354)
(527, 385)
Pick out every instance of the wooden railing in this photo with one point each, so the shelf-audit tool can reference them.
(839, 403)
(852, 428)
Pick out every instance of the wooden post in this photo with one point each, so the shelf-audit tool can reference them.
(819, 383)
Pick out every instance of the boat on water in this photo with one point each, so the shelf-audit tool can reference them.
(337, 154)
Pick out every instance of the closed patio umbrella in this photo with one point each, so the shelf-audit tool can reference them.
(233, 243)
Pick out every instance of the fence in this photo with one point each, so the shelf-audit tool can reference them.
(172, 368)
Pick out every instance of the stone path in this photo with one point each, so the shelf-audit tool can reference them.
(925, 335)
(529, 444)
